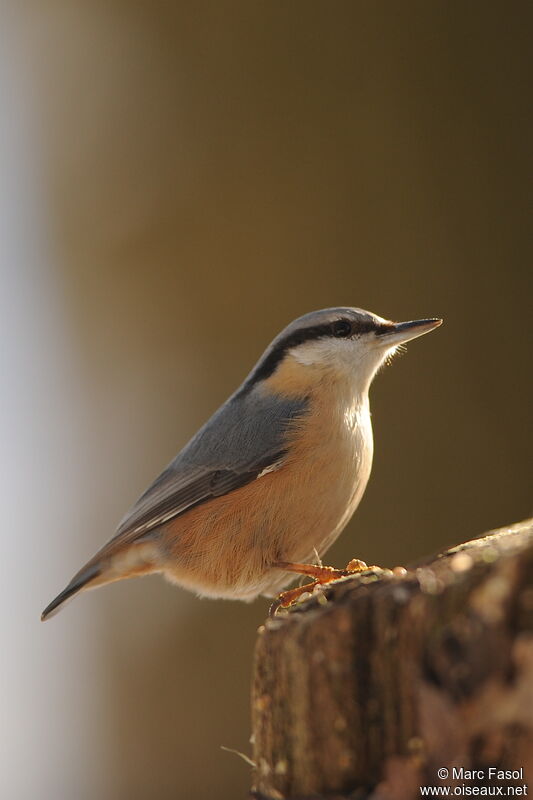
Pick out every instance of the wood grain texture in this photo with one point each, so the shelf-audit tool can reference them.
(367, 693)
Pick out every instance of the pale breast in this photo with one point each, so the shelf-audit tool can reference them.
(225, 547)
(333, 454)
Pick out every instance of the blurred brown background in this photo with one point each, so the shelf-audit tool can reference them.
(180, 180)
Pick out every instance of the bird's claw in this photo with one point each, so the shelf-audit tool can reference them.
(322, 575)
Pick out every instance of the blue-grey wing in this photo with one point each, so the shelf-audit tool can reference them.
(245, 438)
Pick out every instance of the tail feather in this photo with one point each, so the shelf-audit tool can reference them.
(114, 562)
(77, 583)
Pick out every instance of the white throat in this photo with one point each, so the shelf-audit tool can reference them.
(355, 363)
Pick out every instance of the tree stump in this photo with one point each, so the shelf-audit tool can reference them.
(372, 685)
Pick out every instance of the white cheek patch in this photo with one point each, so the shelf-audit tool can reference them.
(325, 352)
(356, 360)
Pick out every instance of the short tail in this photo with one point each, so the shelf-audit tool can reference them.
(114, 562)
(78, 582)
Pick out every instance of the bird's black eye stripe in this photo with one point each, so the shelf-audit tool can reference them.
(341, 328)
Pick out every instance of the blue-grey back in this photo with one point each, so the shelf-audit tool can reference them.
(245, 436)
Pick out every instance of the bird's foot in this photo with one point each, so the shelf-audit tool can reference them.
(321, 576)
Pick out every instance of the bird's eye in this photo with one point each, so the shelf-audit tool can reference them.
(341, 328)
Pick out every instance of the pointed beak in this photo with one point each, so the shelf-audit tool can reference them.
(395, 333)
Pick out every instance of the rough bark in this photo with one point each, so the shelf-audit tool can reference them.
(369, 689)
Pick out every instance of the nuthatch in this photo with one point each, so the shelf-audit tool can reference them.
(272, 478)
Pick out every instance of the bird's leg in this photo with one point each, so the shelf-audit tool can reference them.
(286, 599)
(320, 574)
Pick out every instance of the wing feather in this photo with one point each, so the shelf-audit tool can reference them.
(244, 440)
